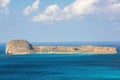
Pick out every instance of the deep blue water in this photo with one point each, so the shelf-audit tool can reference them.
(60, 67)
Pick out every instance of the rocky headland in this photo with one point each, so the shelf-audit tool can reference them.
(19, 47)
(24, 47)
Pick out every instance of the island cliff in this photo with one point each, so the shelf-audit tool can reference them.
(19, 47)
(24, 47)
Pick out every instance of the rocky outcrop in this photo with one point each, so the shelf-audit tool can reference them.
(18, 47)
(24, 47)
(74, 49)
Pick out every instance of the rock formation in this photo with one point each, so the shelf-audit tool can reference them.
(24, 47)
(74, 49)
(18, 47)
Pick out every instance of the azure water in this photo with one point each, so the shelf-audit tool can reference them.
(60, 67)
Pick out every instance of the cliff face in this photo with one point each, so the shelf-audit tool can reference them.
(18, 47)
(24, 47)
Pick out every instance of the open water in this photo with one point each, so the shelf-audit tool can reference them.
(60, 67)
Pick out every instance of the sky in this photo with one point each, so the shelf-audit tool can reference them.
(60, 20)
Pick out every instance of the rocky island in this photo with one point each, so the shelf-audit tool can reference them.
(24, 47)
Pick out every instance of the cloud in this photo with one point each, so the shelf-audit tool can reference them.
(3, 6)
(113, 6)
(77, 8)
(81, 7)
(51, 13)
(4, 3)
(33, 7)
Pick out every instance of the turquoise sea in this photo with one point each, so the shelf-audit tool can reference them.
(61, 67)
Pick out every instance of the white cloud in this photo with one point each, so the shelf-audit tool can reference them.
(3, 6)
(79, 8)
(113, 6)
(31, 8)
(51, 13)
(54, 12)
(4, 3)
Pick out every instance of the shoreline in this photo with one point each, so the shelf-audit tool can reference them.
(70, 53)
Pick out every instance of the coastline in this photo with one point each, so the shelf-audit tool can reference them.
(61, 53)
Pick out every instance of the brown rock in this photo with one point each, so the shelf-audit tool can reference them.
(18, 47)
(24, 47)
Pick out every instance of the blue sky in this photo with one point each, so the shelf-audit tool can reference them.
(60, 20)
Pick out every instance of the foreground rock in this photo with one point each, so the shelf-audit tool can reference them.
(24, 47)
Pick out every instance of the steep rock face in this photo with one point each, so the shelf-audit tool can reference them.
(18, 47)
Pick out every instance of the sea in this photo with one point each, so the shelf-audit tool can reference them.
(61, 66)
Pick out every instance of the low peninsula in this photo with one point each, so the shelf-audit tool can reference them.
(24, 47)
